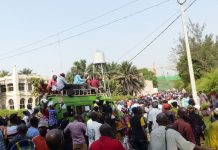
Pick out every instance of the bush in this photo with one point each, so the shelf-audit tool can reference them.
(5, 112)
(209, 82)
(122, 97)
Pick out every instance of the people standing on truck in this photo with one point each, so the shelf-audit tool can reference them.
(62, 83)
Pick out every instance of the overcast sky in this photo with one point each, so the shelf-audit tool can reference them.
(24, 21)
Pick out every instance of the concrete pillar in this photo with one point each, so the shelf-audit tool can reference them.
(16, 95)
(25, 85)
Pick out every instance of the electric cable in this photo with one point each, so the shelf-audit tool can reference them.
(72, 27)
(151, 42)
(84, 32)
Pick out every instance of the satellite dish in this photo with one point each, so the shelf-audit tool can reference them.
(99, 58)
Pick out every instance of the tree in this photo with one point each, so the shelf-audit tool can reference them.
(26, 71)
(79, 67)
(129, 78)
(149, 75)
(111, 69)
(121, 78)
(4, 73)
(204, 51)
(208, 82)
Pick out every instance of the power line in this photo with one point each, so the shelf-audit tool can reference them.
(72, 27)
(87, 31)
(146, 37)
(161, 33)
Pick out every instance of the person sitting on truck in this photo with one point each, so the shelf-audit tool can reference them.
(95, 82)
(78, 80)
(62, 83)
(52, 84)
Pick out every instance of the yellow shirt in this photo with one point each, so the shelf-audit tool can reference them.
(213, 136)
(142, 121)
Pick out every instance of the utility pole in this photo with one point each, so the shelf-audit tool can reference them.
(190, 66)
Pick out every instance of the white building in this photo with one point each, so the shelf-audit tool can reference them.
(148, 89)
(16, 91)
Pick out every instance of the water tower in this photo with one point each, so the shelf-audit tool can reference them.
(99, 62)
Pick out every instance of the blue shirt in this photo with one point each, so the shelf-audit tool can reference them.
(2, 143)
(52, 118)
(78, 80)
(32, 132)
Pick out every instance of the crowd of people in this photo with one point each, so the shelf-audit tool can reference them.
(163, 121)
(171, 120)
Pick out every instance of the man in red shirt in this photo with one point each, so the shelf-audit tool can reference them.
(95, 82)
(39, 140)
(106, 142)
(183, 127)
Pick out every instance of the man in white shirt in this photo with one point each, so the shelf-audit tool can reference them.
(93, 126)
(62, 83)
(152, 114)
(169, 139)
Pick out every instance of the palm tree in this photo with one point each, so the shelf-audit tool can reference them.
(4, 73)
(79, 67)
(26, 71)
(129, 78)
(111, 69)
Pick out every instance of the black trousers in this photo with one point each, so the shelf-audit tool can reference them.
(140, 145)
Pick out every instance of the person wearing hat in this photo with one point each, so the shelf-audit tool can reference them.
(39, 141)
(213, 132)
(21, 136)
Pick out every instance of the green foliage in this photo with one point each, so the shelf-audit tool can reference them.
(79, 67)
(4, 73)
(36, 83)
(178, 84)
(115, 87)
(26, 71)
(122, 97)
(169, 82)
(204, 51)
(209, 82)
(129, 78)
(6, 112)
(122, 78)
(149, 75)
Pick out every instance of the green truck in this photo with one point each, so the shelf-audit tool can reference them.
(80, 103)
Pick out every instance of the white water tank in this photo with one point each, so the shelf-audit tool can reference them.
(99, 58)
